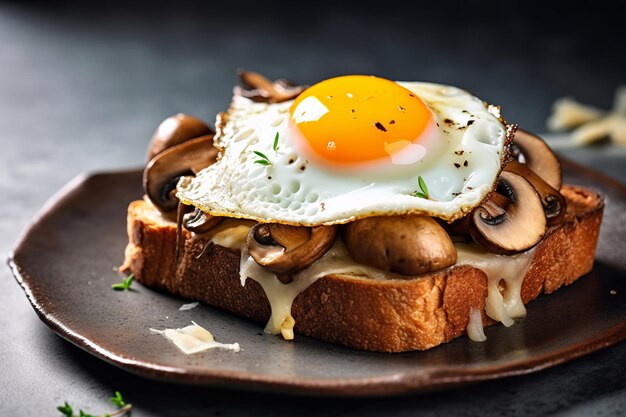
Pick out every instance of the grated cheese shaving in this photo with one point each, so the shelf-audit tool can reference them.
(194, 339)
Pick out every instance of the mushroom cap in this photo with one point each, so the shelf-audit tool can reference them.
(407, 245)
(175, 130)
(163, 171)
(512, 220)
(288, 249)
(258, 88)
(554, 204)
(531, 150)
(200, 222)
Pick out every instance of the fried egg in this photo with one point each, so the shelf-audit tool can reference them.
(352, 147)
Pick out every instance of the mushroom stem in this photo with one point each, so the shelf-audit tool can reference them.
(512, 220)
(493, 211)
(288, 249)
(200, 222)
(289, 237)
(180, 215)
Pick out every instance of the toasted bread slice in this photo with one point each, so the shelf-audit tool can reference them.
(393, 315)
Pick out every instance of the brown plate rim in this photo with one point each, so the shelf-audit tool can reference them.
(396, 384)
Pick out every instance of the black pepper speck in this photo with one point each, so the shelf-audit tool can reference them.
(380, 126)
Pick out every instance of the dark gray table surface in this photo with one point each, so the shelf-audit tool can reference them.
(82, 87)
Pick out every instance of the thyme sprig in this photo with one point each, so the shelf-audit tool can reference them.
(275, 146)
(125, 284)
(264, 160)
(117, 400)
(424, 189)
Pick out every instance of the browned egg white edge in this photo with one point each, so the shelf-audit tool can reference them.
(222, 119)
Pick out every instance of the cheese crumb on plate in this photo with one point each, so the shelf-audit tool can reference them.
(194, 339)
(189, 306)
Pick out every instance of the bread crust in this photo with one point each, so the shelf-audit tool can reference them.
(376, 315)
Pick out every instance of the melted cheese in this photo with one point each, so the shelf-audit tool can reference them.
(232, 237)
(194, 339)
(502, 306)
(475, 329)
(281, 295)
(506, 304)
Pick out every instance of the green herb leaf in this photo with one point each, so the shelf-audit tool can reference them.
(275, 147)
(422, 185)
(264, 159)
(123, 408)
(118, 400)
(66, 409)
(129, 280)
(262, 155)
(125, 284)
(424, 189)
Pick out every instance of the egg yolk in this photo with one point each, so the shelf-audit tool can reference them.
(357, 119)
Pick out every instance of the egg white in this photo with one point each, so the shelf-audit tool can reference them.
(459, 171)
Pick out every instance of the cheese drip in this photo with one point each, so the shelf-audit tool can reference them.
(502, 306)
(336, 260)
(475, 329)
(505, 305)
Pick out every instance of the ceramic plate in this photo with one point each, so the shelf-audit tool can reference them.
(65, 264)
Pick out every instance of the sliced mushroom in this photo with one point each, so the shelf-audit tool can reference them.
(407, 245)
(512, 220)
(259, 88)
(531, 150)
(175, 130)
(288, 249)
(553, 202)
(200, 222)
(163, 171)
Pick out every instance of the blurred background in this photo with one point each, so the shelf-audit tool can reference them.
(99, 76)
(84, 84)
